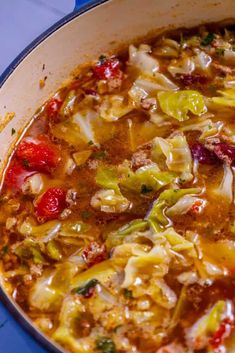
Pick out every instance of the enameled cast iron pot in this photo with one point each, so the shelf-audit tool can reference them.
(90, 30)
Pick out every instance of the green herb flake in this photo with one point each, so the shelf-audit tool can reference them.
(219, 51)
(13, 131)
(105, 345)
(86, 289)
(25, 163)
(102, 59)
(99, 155)
(90, 143)
(208, 39)
(145, 189)
(127, 294)
(209, 127)
(85, 215)
(4, 250)
(212, 89)
(182, 41)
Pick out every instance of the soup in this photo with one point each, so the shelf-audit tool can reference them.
(117, 209)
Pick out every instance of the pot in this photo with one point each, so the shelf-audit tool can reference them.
(99, 27)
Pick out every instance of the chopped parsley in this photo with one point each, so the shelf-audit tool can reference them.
(86, 289)
(85, 215)
(212, 88)
(220, 51)
(102, 59)
(145, 189)
(4, 250)
(128, 294)
(208, 39)
(13, 131)
(105, 345)
(90, 143)
(99, 155)
(25, 163)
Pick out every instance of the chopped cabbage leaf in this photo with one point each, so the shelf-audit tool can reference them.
(177, 241)
(54, 250)
(176, 151)
(72, 310)
(145, 86)
(110, 201)
(114, 107)
(156, 216)
(28, 249)
(178, 104)
(73, 228)
(77, 130)
(227, 99)
(157, 255)
(183, 205)
(183, 66)
(142, 60)
(107, 177)
(198, 336)
(44, 232)
(161, 293)
(49, 290)
(67, 107)
(148, 176)
(225, 190)
(102, 272)
(167, 48)
(207, 127)
(116, 238)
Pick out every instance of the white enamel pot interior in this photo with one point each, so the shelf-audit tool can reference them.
(83, 35)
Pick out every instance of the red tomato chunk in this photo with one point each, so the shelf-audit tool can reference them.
(53, 107)
(16, 175)
(108, 68)
(42, 156)
(51, 204)
(94, 253)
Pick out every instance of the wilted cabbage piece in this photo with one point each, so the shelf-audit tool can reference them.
(77, 130)
(71, 311)
(225, 189)
(147, 179)
(179, 104)
(49, 290)
(176, 151)
(227, 99)
(107, 177)
(141, 59)
(116, 238)
(114, 107)
(28, 249)
(199, 335)
(167, 198)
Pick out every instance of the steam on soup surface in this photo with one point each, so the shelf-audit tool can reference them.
(117, 211)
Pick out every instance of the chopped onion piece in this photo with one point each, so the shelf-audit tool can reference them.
(33, 185)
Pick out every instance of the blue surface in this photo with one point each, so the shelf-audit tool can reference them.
(20, 22)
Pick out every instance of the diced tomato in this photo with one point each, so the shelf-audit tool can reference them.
(94, 253)
(16, 175)
(108, 68)
(223, 331)
(51, 204)
(42, 156)
(53, 107)
(197, 206)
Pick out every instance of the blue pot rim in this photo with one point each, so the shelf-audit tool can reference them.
(8, 302)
